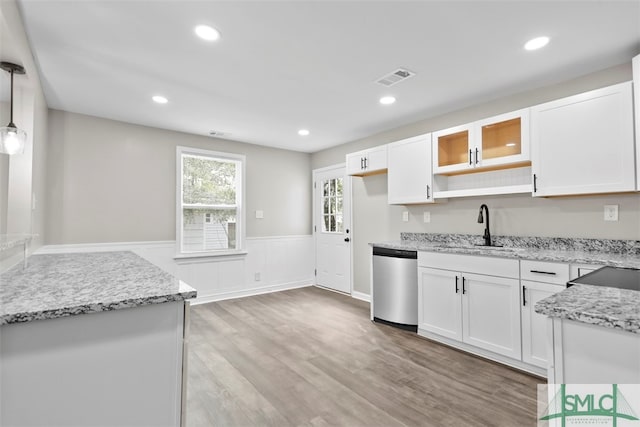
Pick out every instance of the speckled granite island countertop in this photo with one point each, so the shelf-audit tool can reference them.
(596, 305)
(59, 285)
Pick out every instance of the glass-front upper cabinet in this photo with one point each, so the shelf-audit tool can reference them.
(492, 143)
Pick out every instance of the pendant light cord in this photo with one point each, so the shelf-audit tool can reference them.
(11, 109)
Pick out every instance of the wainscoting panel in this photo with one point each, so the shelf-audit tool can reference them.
(270, 264)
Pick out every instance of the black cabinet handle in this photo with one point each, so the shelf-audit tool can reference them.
(457, 289)
(470, 158)
(346, 239)
(361, 163)
(535, 186)
(366, 160)
(464, 289)
(550, 273)
(524, 295)
(476, 156)
(428, 192)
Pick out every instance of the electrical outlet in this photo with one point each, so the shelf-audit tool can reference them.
(259, 214)
(427, 216)
(610, 212)
(256, 277)
(405, 216)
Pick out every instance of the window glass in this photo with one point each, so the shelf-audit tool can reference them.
(332, 201)
(210, 202)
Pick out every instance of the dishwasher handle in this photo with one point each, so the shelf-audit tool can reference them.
(394, 253)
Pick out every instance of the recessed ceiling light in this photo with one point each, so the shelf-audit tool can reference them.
(160, 99)
(536, 43)
(387, 100)
(206, 32)
(303, 132)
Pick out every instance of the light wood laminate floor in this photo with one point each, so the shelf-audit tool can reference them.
(311, 357)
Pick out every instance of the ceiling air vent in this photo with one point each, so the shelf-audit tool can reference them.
(218, 134)
(396, 77)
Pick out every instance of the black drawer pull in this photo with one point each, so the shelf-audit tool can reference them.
(550, 273)
(457, 289)
(524, 295)
(464, 289)
(470, 162)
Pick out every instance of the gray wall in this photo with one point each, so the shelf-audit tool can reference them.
(23, 176)
(111, 181)
(374, 220)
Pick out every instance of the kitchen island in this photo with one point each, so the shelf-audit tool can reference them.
(92, 339)
(593, 335)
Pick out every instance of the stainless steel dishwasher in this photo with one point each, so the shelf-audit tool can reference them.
(395, 287)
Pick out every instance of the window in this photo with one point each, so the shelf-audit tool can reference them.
(332, 198)
(210, 216)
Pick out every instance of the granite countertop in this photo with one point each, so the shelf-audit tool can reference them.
(616, 253)
(59, 285)
(8, 241)
(596, 305)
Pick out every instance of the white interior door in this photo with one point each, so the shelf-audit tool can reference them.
(332, 224)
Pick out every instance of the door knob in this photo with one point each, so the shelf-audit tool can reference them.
(346, 239)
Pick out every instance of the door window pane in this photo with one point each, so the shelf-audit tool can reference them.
(332, 205)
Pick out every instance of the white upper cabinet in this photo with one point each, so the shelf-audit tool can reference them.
(636, 97)
(493, 143)
(410, 179)
(584, 144)
(367, 162)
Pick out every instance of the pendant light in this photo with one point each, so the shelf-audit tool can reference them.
(12, 138)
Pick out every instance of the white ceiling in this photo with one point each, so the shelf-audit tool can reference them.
(282, 66)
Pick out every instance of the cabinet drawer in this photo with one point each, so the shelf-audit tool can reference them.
(547, 272)
(490, 266)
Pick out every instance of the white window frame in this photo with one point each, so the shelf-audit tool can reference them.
(241, 219)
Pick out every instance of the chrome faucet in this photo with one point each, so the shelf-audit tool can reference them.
(487, 233)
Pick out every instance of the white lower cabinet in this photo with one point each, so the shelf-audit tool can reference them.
(490, 314)
(534, 325)
(476, 309)
(440, 306)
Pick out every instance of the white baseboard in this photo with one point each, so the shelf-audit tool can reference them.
(203, 299)
(361, 296)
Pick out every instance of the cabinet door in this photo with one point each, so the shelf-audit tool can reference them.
(409, 177)
(355, 163)
(534, 325)
(376, 159)
(491, 314)
(584, 144)
(453, 149)
(439, 302)
(503, 140)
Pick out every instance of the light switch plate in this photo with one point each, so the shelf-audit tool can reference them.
(427, 216)
(405, 216)
(610, 212)
(259, 214)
